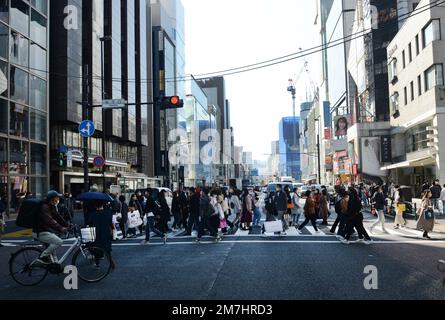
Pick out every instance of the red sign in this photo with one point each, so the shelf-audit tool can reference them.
(355, 169)
(99, 162)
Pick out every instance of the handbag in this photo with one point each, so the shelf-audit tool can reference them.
(401, 207)
(429, 214)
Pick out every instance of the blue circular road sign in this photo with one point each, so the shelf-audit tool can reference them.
(99, 162)
(86, 128)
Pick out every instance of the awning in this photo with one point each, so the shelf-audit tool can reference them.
(419, 162)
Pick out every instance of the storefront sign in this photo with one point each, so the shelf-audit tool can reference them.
(386, 149)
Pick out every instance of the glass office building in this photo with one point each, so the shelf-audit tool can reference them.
(290, 157)
(23, 100)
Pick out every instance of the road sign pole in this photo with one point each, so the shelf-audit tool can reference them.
(86, 178)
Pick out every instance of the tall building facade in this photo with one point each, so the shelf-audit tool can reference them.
(290, 165)
(215, 89)
(24, 111)
(168, 68)
(416, 59)
(116, 34)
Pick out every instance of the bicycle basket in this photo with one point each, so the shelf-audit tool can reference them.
(88, 235)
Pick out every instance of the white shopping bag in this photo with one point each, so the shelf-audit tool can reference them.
(273, 226)
(134, 219)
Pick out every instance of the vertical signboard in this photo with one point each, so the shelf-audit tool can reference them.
(386, 147)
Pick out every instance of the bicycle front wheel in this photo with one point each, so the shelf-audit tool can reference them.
(23, 268)
(93, 263)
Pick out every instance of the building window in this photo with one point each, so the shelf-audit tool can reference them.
(40, 5)
(20, 16)
(412, 90)
(18, 157)
(403, 59)
(431, 32)
(37, 93)
(395, 104)
(4, 10)
(419, 85)
(19, 120)
(4, 110)
(3, 156)
(37, 125)
(405, 91)
(38, 28)
(38, 60)
(19, 85)
(38, 159)
(38, 187)
(434, 76)
(19, 49)
(4, 45)
(392, 70)
(4, 79)
(417, 45)
(410, 53)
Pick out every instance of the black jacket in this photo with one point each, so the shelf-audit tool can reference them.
(354, 206)
(281, 201)
(379, 200)
(194, 205)
(176, 205)
(435, 191)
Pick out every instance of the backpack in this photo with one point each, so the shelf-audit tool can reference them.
(29, 213)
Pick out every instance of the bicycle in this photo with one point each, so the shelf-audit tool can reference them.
(93, 263)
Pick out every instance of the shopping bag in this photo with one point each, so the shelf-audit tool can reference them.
(273, 226)
(134, 219)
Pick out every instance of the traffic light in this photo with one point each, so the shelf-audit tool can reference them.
(173, 102)
(61, 160)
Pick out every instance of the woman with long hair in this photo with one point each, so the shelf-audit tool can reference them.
(309, 213)
(176, 210)
(324, 207)
(247, 208)
(400, 208)
(164, 212)
(426, 218)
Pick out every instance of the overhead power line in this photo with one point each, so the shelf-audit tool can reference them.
(266, 63)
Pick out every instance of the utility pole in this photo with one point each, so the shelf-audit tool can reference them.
(102, 58)
(85, 116)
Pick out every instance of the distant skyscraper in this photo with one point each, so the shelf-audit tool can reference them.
(290, 147)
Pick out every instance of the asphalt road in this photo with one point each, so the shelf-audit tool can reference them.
(248, 267)
(255, 268)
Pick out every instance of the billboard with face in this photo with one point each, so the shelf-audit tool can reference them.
(341, 125)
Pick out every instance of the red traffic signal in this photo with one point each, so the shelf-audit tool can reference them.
(172, 103)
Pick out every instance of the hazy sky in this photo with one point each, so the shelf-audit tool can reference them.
(223, 34)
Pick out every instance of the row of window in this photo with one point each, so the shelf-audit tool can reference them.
(433, 77)
(22, 87)
(17, 186)
(114, 150)
(24, 122)
(24, 158)
(431, 32)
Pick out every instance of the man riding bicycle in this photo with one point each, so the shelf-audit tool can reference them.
(50, 222)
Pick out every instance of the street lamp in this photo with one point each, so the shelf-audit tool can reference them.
(102, 40)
